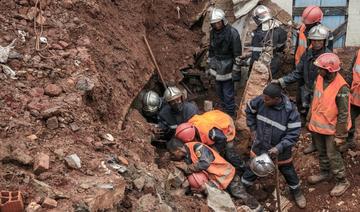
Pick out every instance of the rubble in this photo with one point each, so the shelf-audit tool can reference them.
(52, 123)
(11, 201)
(53, 90)
(49, 203)
(219, 200)
(139, 183)
(21, 157)
(42, 163)
(73, 161)
(33, 207)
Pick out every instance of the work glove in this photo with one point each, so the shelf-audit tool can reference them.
(339, 141)
(273, 152)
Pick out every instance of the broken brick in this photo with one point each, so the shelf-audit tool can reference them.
(53, 90)
(49, 203)
(42, 163)
(11, 201)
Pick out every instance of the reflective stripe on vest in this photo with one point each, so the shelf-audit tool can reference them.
(220, 77)
(302, 44)
(324, 112)
(213, 119)
(355, 86)
(220, 172)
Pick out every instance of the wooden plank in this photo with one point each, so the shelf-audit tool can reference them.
(328, 11)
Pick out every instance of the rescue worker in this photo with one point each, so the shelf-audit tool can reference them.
(329, 121)
(196, 157)
(225, 46)
(311, 16)
(175, 112)
(354, 81)
(151, 105)
(306, 72)
(275, 128)
(215, 129)
(269, 32)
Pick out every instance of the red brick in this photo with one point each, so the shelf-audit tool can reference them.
(42, 163)
(11, 201)
(49, 203)
(53, 90)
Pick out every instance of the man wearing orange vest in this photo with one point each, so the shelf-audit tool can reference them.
(311, 16)
(215, 129)
(194, 157)
(329, 121)
(354, 81)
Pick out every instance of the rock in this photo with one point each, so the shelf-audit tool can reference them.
(51, 111)
(165, 208)
(108, 137)
(146, 203)
(53, 90)
(32, 207)
(49, 203)
(85, 84)
(176, 179)
(63, 44)
(32, 137)
(311, 189)
(352, 153)
(73, 161)
(52, 123)
(340, 203)
(59, 153)
(123, 160)
(42, 163)
(149, 186)
(5, 155)
(20, 156)
(37, 92)
(74, 127)
(139, 183)
(219, 200)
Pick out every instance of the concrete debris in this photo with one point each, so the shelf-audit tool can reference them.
(104, 168)
(146, 203)
(73, 161)
(33, 207)
(176, 179)
(243, 7)
(52, 123)
(74, 127)
(53, 90)
(8, 71)
(20, 156)
(105, 186)
(85, 84)
(49, 203)
(5, 154)
(165, 208)
(51, 111)
(5, 51)
(139, 183)
(219, 200)
(32, 137)
(42, 163)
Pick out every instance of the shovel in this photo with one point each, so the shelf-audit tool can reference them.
(277, 185)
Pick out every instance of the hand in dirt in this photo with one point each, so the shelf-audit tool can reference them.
(339, 141)
(273, 152)
(275, 81)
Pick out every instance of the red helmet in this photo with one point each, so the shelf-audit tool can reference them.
(197, 180)
(185, 132)
(328, 61)
(312, 14)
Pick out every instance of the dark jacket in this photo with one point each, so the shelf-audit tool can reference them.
(170, 119)
(205, 157)
(305, 73)
(277, 126)
(225, 46)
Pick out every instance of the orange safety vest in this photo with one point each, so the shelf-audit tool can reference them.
(215, 118)
(302, 44)
(220, 172)
(324, 112)
(355, 86)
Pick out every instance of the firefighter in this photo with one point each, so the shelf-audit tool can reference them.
(311, 16)
(275, 128)
(176, 111)
(269, 32)
(306, 72)
(195, 157)
(215, 129)
(329, 121)
(225, 47)
(151, 105)
(354, 81)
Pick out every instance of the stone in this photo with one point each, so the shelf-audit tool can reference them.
(56, 46)
(5, 155)
(123, 160)
(36, 92)
(20, 156)
(165, 208)
(108, 137)
(74, 127)
(176, 179)
(73, 161)
(59, 153)
(139, 183)
(41, 163)
(32, 207)
(146, 203)
(49, 203)
(53, 90)
(63, 44)
(52, 123)
(32, 137)
(85, 84)
(31, 14)
(219, 200)
(51, 111)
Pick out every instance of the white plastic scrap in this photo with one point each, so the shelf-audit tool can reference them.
(5, 51)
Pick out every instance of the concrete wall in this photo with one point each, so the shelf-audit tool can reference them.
(353, 27)
(285, 5)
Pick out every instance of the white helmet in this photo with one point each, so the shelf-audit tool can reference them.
(261, 14)
(262, 165)
(151, 102)
(172, 93)
(319, 32)
(217, 15)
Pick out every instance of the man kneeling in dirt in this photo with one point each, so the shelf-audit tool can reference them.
(275, 126)
(175, 112)
(199, 157)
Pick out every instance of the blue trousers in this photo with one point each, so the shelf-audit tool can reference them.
(226, 92)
